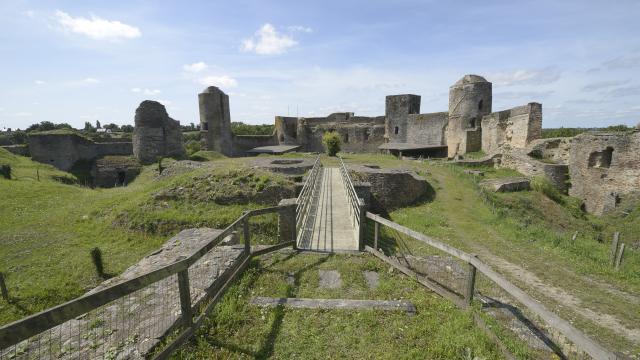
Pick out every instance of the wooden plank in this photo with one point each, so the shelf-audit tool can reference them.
(304, 303)
(582, 341)
(619, 257)
(263, 211)
(614, 247)
(376, 234)
(185, 298)
(471, 284)
(17, 331)
(246, 234)
(272, 248)
(435, 287)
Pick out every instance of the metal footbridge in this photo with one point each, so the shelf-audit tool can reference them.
(329, 211)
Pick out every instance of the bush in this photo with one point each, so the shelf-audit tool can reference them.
(192, 147)
(332, 142)
(5, 171)
(544, 186)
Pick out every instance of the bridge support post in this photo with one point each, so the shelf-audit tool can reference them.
(287, 221)
(246, 234)
(471, 283)
(362, 209)
(185, 298)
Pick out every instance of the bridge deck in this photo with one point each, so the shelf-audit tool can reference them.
(329, 226)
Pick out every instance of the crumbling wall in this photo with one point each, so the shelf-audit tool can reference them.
(516, 127)
(244, 143)
(155, 134)
(604, 167)
(427, 129)
(553, 149)
(519, 160)
(111, 171)
(63, 150)
(358, 133)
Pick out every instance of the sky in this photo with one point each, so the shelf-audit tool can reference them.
(77, 61)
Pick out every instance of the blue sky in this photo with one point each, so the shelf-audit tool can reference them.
(77, 61)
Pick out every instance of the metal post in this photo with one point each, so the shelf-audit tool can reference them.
(185, 298)
(247, 235)
(471, 283)
(376, 234)
(3, 288)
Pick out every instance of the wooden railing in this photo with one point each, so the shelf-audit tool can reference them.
(19, 331)
(582, 342)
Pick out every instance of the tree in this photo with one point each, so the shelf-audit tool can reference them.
(88, 127)
(126, 128)
(98, 124)
(42, 126)
(112, 127)
(332, 142)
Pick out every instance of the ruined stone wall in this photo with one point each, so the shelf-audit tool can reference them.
(111, 171)
(155, 134)
(114, 148)
(21, 149)
(244, 143)
(470, 98)
(519, 160)
(604, 167)
(552, 149)
(516, 127)
(427, 129)
(391, 188)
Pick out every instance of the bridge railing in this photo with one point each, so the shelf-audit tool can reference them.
(131, 318)
(305, 198)
(460, 276)
(356, 204)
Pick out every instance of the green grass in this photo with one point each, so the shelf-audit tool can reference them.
(237, 329)
(48, 228)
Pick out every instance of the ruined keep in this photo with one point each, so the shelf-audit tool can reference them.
(604, 167)
(155, 134)
(403, 130)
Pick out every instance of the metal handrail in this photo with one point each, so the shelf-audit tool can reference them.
(354, 201)
(304, 199)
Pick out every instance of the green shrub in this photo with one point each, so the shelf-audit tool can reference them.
(5, 171)
(543, 185)
(192, 147)
(332, 142)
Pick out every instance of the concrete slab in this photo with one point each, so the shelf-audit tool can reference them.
(330, 279)
(372, 278)
(385, 305)
(275, 149)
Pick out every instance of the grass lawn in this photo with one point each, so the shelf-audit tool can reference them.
(237, 329)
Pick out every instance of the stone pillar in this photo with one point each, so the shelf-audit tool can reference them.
(215, 120)
(287, 220)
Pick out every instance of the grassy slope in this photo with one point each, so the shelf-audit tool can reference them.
(237, 329)
(533, 232)
(48, 228)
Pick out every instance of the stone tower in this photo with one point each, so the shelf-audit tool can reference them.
(155, 134)
(469, 101)
(397, 109)
(215, 120)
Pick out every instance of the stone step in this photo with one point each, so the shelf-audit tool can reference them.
(304, 303)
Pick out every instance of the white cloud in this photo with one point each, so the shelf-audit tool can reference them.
(90, 81)
(604, 84)
(221, 81)
(23, 114)
(39, 82)
(195, 67)
(97, 28)
(299, 28)
(520, 77)
(267, 41)
(146, 91)
(30, 13)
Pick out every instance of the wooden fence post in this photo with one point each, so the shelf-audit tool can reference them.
(247, 235)
(185, 298)
(619, 258)
(3, 288)
(471, 283)
(614, 247)
(376, 234)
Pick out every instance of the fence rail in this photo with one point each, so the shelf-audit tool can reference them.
(52, 331)
(583, 342)
(304, 200)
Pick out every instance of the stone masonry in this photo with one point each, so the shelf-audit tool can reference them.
(155, 134)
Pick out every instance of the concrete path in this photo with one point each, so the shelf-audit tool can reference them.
(329, 226)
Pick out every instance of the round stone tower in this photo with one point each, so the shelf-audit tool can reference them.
(469, 101)
(215, 120)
